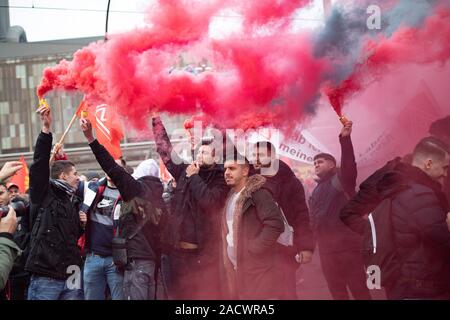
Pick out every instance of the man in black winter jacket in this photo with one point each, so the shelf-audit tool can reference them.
(54, 256)
(143, 248)
(339, 247)
(418, 217)
(289, 193)
(441, 130)
(194, 232)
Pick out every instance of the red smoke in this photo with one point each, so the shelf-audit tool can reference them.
(406, 46)
(76, 74)
(258, 78)
(261, 12)
(336, 95)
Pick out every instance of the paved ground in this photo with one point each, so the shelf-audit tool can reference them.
(311, 284)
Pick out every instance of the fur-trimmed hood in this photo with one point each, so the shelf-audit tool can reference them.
(254, 183)
(257, 223)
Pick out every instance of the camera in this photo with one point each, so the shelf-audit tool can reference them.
(18, 206)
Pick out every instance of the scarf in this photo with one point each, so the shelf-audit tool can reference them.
(63, 186)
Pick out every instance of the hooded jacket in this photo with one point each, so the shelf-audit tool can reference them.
(257, 224)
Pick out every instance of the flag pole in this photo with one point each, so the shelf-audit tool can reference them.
(61, 140)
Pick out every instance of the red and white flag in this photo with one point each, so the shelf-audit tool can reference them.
(107, 125)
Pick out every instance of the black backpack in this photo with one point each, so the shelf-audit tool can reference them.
(379, 247)
(145, 208)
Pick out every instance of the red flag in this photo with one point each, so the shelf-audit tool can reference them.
(21, 178)
(107, 126)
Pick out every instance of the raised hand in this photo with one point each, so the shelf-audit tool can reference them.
(86, 127)
(46, 118)
(347, 129)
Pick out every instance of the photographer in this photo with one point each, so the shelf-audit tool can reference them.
(18, 277)
(8, 224)
(8, 249)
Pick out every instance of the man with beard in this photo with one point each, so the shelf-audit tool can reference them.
(192, 236)
(289, 193)
(251, 224)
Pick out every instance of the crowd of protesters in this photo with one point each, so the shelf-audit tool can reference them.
(237, 230)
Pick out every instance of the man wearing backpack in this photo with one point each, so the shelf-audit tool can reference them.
(339, 247)
(289, 193)
(418, 213)
(140, 217)
(99, 214)
(193, 232)
(54, 221)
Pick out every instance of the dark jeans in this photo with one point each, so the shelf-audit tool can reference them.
(142, 281)
(189, 276)
(166, 276)
(345, 269)
(16, 288)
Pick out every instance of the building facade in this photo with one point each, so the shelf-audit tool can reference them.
(21, 69)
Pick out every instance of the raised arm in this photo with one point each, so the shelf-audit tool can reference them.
(40, 170)
(348, 172)
(165, 149)
(127, 185)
